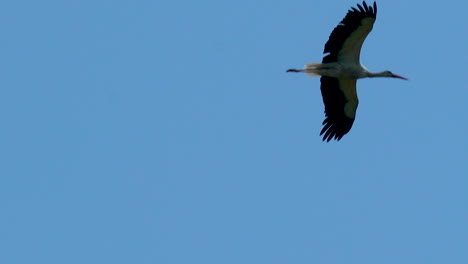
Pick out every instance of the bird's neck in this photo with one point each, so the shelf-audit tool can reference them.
(376, 74)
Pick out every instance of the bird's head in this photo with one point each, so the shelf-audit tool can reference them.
(391, 74)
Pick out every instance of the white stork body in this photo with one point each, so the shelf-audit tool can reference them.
(340, 69)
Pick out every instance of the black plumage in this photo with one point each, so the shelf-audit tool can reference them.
(337, 123)
(344, 29)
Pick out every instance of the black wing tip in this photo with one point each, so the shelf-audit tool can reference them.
(335, 130)
(365, 9)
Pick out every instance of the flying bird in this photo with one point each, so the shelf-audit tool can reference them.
(340, 68)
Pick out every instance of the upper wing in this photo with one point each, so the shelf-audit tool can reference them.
(341, 101)
(345, 41)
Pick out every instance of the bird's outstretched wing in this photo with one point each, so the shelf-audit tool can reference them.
(345, 41)
(341, 101)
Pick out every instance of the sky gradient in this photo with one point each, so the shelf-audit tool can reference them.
(169, 132)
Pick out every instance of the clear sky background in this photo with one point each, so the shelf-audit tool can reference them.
(168, 132)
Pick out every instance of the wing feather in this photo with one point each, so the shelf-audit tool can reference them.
(345, 41)
(341, 101)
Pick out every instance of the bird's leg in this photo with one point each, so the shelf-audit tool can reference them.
(295, 70)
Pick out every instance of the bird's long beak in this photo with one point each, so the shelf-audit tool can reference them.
(399, 77)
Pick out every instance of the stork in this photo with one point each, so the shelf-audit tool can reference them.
(340, 68)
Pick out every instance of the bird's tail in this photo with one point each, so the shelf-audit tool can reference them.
(311, 69)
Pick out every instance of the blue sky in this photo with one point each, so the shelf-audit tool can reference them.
(169, 132)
